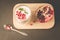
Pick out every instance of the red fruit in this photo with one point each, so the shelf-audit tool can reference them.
(16, 11)
(8, 27)
(20, 15)
(31, 24)
(34, 21)
(23, 16)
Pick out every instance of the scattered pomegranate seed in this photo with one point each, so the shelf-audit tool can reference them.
(23, 16)
(31, 24)
(34, 21)
(20, 15)
(7, 27)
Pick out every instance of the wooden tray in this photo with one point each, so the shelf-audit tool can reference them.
(33, 7)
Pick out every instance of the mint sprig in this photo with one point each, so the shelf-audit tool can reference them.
(23, 10)
(26, 12)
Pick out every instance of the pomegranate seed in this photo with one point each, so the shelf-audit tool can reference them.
(34, 21)
(17, 12)
(31, 24)
(7, 27)
(23, 16)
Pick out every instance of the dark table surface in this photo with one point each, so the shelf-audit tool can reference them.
(6, 11)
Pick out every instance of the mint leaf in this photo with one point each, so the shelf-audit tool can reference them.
(26, 12)
(21, 9)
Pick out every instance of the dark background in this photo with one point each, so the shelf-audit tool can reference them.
(6, 11)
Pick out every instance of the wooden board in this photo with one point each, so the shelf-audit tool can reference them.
(37, 25)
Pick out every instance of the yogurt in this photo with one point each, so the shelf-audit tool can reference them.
(22, 13)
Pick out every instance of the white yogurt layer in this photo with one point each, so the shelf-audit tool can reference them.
(24, 10)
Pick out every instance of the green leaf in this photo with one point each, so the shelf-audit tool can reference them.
(26, 12)
(21, 9)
